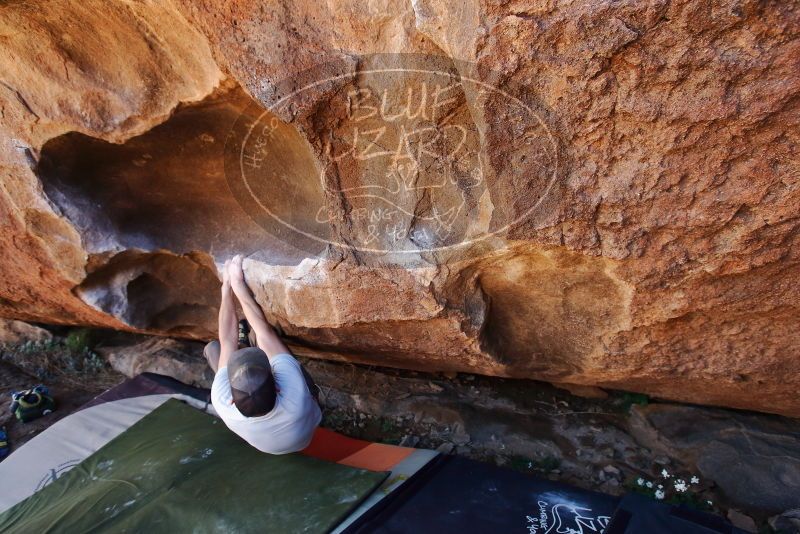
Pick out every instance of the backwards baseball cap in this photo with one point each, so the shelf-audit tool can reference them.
(252, 383)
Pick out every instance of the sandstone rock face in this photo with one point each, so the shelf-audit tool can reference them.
(18, 331)
(600, 194)
(182, 360)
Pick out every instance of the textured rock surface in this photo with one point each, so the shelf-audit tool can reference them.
(663, 259)
(106, 70)
(789, 521)
(18, 331)
(182, 360)
(753, 459)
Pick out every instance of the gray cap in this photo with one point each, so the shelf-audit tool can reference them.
(252, 383)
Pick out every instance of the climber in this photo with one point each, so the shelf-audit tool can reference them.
(262, 393)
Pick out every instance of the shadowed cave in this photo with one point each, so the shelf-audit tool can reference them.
(167, 189)
(157, 211)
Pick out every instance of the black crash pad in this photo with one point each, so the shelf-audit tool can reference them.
(455, 494)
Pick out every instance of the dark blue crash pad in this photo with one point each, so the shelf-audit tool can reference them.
(454, 494)
(637, 513)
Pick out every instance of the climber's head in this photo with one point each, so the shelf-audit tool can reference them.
(252, 383)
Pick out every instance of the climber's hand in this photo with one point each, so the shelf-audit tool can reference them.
(236, 273)
(266, 338)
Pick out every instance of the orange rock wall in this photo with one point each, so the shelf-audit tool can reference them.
(663, 259)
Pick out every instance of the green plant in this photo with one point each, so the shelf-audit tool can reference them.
(671, 488)
(387, 426)
(92, 363)
(79, 340)
(388, 430)
(527, 465)
(71, 358)
(628, 399)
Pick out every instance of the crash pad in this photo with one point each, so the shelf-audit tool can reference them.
(637, 513)
(454, 494)
(179, 469)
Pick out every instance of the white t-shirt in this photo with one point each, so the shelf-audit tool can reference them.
(290, 425)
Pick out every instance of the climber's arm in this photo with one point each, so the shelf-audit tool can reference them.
(266, 337)
(228, 325)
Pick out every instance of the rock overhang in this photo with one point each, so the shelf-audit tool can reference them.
(663, 262)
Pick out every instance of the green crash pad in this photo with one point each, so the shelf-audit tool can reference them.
(178, 470)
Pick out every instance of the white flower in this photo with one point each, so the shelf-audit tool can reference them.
(660, 486)
(694, 480)
(659, 494)
(710, 503)
(640, 481)
(680, 485)
(665, 473)
(649, 484)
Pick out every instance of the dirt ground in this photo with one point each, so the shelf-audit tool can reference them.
(66, 365)
(69, 397)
